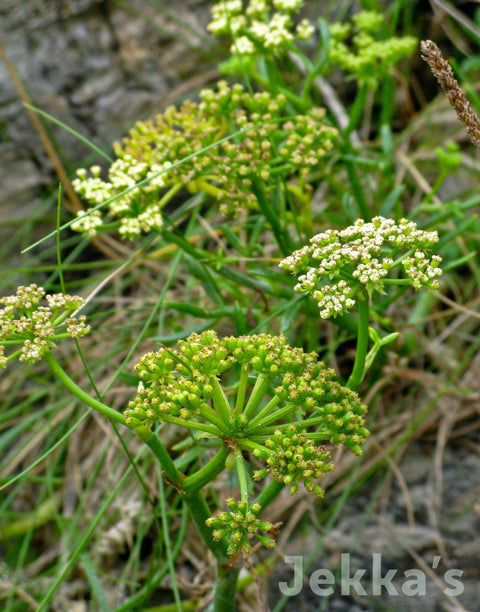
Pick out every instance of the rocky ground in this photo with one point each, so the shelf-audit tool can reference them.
(95, 65)
(416, 545)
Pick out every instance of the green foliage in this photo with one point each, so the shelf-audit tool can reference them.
(236, 189)
(368, 58)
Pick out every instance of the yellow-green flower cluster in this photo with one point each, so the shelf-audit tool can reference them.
(184, 385)
(362, 256)
(337, 412)
(270, 355)
(270, 149)
(262, 26)
(368, 57)
(291, 457)
(33, 327)
(239, 525)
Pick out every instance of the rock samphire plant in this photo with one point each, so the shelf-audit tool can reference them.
(253, 407)
(265, 410)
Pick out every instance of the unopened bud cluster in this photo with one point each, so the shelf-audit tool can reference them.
(337, 264)
(271, 149)
(239, 525)
(25, 323)
(292, 457)
(336, 409)
(184, 383)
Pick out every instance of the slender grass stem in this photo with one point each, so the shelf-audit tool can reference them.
(242, 476)
(279, 414)
(220, 401)
(357, 190)
(211, 429)
(256, 422)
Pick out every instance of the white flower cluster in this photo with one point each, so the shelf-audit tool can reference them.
(89, 223)
(24, 323)
(333, 300)
(263, 24)
(151, 219)
(361, 256)
(135, 216)
(422, 271)
(168, 154)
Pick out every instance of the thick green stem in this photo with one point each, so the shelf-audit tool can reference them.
(200, 512)
(225, 587)
(242, 476)
(172, 475)
(356, 376)
(82, 395)
(194, 500)
(171, 472)
(169, 195)
(269, 493)
(242, 388)
(208, 472)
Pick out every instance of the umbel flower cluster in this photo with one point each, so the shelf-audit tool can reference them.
(262, 26)
(368, 57)
(338, 264)
(295, 404)
(239, 524)
(271, 150)
(33, 327)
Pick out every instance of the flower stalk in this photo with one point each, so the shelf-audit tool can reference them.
(358, 371)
